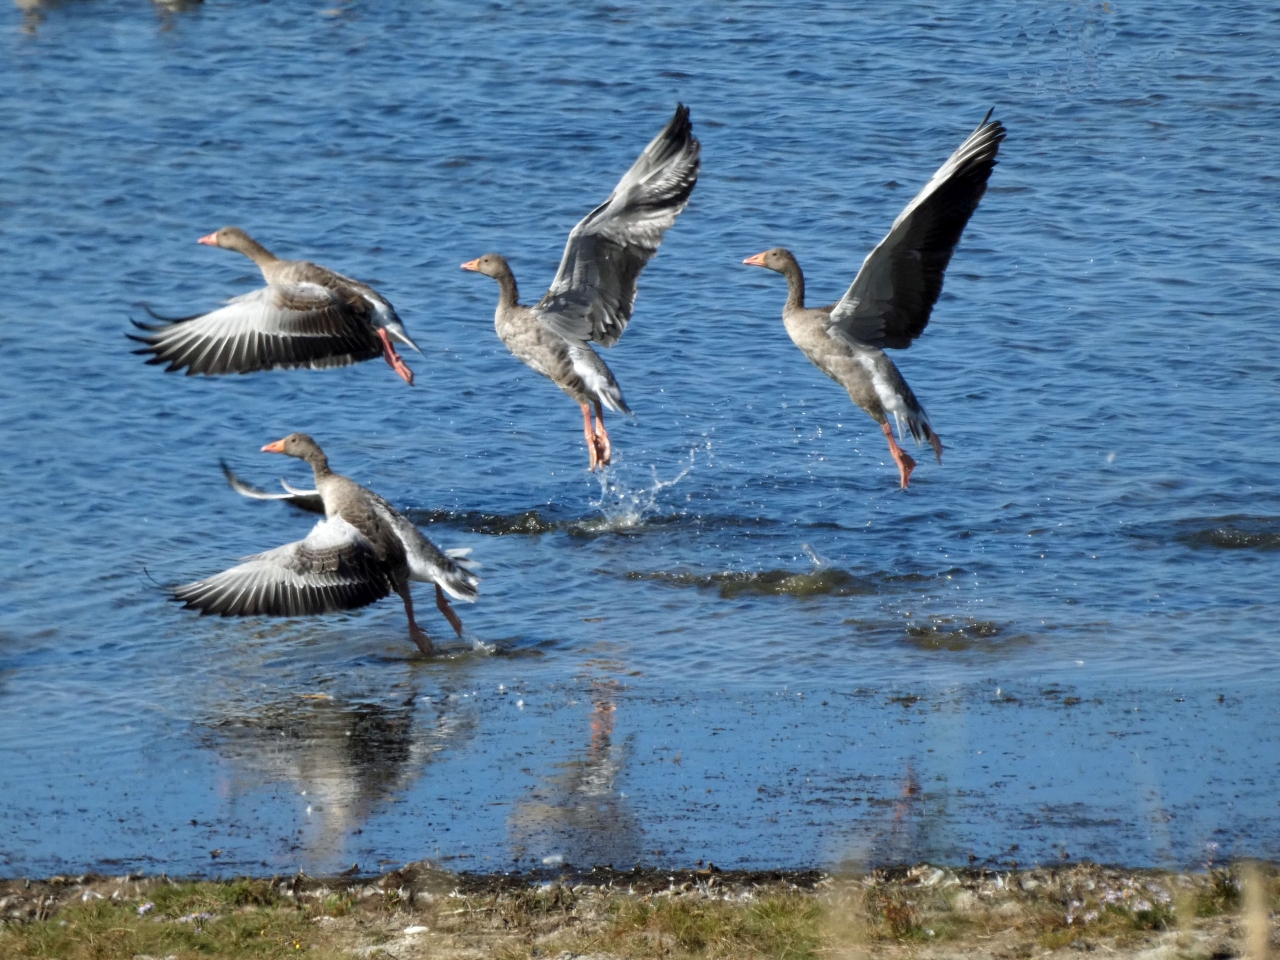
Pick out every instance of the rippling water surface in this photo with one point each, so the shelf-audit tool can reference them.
(742, 643)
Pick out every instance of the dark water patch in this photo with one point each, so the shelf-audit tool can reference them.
(767, 583)
(956, 635)
(1233, 532)
(527, 522)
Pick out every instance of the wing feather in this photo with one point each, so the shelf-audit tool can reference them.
(594, 291)
(889, 302)
(334, 568)
(283, 325)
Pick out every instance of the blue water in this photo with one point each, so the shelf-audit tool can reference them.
(743, 644)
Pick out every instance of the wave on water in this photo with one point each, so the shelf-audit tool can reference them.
(736, 583)
(954, 634)
(623, 507)
(1234, 532)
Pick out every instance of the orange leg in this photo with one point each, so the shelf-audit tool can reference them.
(443, 603)
(589, 432)
(393, 358)
(900, 456)
(936, 442)
(605, 449)
(415, 632)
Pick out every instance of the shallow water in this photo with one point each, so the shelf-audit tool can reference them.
(742, 644)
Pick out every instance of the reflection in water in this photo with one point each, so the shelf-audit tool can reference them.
(897, 827)
(168, 9)
(342, 757)
(579, 815)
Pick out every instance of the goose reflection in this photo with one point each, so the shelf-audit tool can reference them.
(343, 757)
(579, 815)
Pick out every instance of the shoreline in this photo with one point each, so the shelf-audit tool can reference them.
(420, 911)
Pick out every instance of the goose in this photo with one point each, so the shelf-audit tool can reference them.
(889, 302)
(363, 550)
(594, 291)
(306, 316)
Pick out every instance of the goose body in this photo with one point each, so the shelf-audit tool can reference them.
(363, 550)
(593, 294)
(306, 316)
(889, 303)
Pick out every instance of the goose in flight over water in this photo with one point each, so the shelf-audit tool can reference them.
(889, 302)
(306, 316)
(594, 291)
(363, 550)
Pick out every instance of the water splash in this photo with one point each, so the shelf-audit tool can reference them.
(623, 506)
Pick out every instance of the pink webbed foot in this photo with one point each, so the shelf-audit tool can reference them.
(394, 359)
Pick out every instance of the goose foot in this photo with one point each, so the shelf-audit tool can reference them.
(416, 633)
(900, 456)
(604, 449)
(588, 431)
(936, 442)
(394, 359)
(443, 603)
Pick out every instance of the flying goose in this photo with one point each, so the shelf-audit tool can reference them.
(594, 291)
(889, 302)
(306, 316)
(362, 551)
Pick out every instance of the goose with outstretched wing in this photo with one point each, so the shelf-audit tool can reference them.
(363, 550)
(889, 302)
(306, 316)
(594, 291)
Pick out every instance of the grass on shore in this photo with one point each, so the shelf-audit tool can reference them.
(421, 912)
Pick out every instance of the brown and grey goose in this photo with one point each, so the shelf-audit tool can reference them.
(306, 316)
(594, 291)
(362, 551)
(889, 302)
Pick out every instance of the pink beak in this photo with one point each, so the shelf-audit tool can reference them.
(211, 239)
(277, 447)
(756, 261)
(472, 265)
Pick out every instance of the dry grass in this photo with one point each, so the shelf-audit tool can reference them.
(924, 912)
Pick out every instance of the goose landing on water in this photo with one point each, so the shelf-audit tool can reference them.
(889, 302)
(362, 551)
(306, 316)
(594, 291)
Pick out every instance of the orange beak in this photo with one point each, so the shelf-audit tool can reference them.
(756, 261)
(277, 447)
(472, 265)
(211, 239)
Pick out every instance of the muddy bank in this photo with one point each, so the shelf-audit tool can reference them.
(422, 911)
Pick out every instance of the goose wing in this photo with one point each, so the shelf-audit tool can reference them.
(334, 568)
(293, 324)
(308, 500)
(889, 302)
(594, 291)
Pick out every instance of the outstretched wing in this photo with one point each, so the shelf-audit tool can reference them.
(595, 289)
(334, 568)
(889, 302)
(282, 325)
(308, 500)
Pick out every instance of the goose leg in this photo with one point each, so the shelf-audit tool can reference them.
(415, 632)
(443, 603)
(935, 441)
(590, 434)
(900, 456)
(394, 359)
(604, 448)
